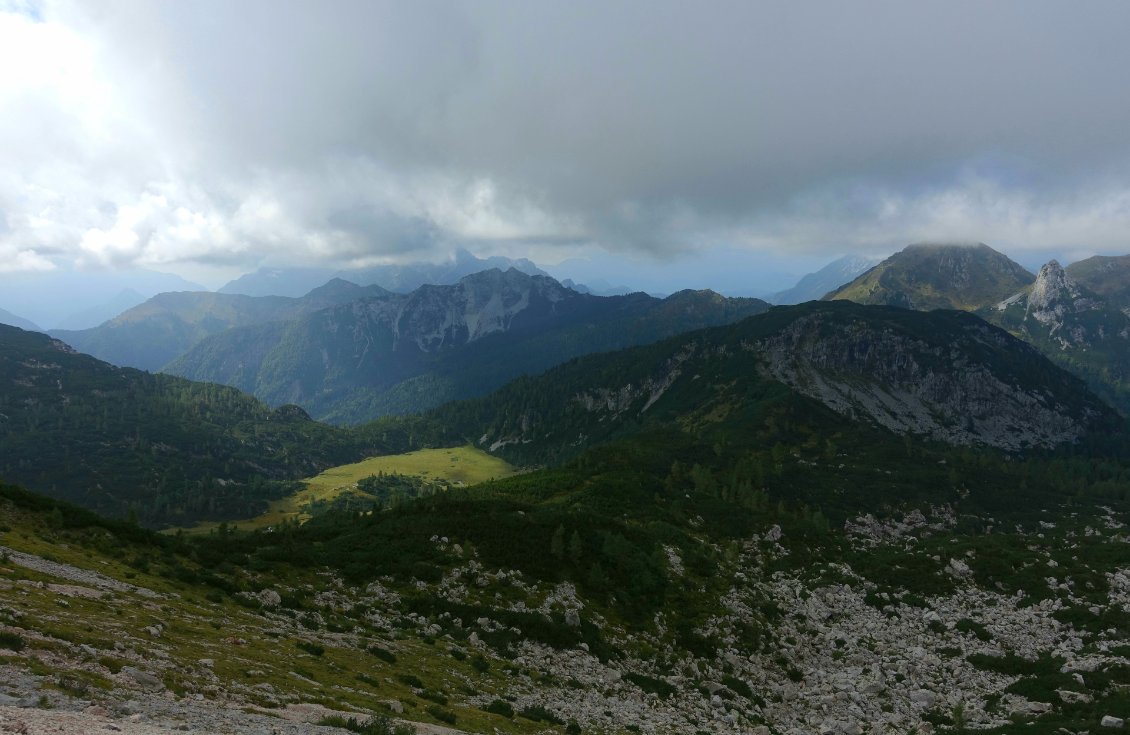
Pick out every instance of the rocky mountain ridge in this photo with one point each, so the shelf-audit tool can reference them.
(947, 376)
(1076, 327)
(401, 353)
(910, 386)
(12, 320)
(401, 278)
(161, 329)
(119, 439)
(1107, 276)
(828, 279)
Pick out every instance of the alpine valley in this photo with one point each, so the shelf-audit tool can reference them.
(528, 509)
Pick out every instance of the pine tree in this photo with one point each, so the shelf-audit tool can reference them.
(557, 543)
(576, 548)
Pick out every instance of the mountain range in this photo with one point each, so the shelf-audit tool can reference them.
(69, 296)
(1076, 316)
(115, 439)
(7, 317)
(152, 334)
(1107, 276)
(815, 285)
(946, 376)
(404, 353)
(815, 518)
(401, 278)
(97, 314)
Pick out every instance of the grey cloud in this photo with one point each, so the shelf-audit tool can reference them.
(658, 126)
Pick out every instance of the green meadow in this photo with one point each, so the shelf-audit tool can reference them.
(452, 466)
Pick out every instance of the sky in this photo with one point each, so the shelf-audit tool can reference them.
(208, 138)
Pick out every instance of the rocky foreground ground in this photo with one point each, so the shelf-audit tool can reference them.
(844, 656)
(176, 719)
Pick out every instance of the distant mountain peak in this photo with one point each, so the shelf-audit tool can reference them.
(925, 276)
(948, 244)
(815, 285)
(12, 320)
(398, 278)
(1106, 275)
(338, 288)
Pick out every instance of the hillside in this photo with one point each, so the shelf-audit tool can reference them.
(156, 332)
(118, 440)
(945, 376)
(914, 509)
(1107, 276)
(930, 276)
(1076, 327)
(659, 583)
(399, 354)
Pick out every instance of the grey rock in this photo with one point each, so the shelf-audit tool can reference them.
(923, 698)
(143, 678)
(1071, 697)
(269, 598)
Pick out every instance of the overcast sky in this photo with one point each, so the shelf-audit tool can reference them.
(205, 138)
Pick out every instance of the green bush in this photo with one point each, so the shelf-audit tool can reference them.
(314, 649)
(11, 641)
(431, 696)
(965, 625)
(410, 680)
(500, 707)
(441, 714)
(738, 686)
(376, 725)
(382, 654)
(537, 713)
(651, 685)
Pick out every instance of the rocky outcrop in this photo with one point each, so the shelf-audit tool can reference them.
(908, 385)
(1057, 302)
(433, 317)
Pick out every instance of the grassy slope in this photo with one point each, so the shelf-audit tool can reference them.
(718, 394)
(117, 439)
(626, 504)
(938, 277)
(459, 466)
(1105, 275)
(258, 656)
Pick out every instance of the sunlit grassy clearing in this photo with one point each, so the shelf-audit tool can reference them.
(464, 465)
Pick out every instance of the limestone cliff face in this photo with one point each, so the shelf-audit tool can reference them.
(1059, 312)
(945, 375)
(951, 393)
(402, 353)
(433, 317)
